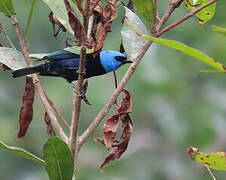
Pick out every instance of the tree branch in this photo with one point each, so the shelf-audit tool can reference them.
(124, 80)
(77, 95)
(181, 20)
(36, 81)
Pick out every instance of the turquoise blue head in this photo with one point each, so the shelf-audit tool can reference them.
(112, 60)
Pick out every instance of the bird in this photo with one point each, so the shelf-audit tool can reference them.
(65, 64)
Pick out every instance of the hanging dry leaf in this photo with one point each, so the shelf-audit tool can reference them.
(122, 144)
(76, 26)
(126, 103)
(49, 128)
(109, 14)
(110, 130)
(26, 111)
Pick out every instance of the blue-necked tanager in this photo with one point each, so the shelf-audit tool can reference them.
(65, 64)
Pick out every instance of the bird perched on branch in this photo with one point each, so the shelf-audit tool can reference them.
(65, 64)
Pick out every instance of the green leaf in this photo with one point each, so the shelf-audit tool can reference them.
(146, 9)
(59, 10)
(6, 7)
(185, 50)
(219, 29)
(21, 152)
(205, 14)
(12, 58)
(59, 163)
(77, 49)
(214, 160)
(132, 43)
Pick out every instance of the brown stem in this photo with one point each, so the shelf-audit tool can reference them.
(37, 83)
(77, 100)
(172, 6)
(77, 95)
(190, 14)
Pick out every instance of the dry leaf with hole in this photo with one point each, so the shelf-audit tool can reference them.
(126, 103)
(121, 145)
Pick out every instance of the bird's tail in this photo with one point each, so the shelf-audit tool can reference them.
(28, 70)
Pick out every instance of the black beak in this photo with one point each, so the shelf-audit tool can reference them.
(128, 61)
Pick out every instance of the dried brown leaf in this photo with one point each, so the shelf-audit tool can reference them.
(126, 103)
(105, 26)
(122, 144)
(49, 128)
(76, 26)
(110, 130)
(26, 111)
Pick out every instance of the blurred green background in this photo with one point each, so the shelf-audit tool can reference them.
(175, 106)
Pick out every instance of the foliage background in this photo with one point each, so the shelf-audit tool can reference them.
(175, 106)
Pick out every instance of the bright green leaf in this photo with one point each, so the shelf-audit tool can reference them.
(12, 58)
(214, 160)
(219, 29)
(146, 9)
(77, 49)
(59, 163)
(6, 7)
(205, 14)
(185, 50)
(21, 152)
(59, 10)
(132, 43)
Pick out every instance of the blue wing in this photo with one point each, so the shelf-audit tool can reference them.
(60, 55)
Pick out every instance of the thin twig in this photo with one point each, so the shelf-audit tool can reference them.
(7, 37)
(210, 172)
(172, 6)
(37, 83)
(181, 20)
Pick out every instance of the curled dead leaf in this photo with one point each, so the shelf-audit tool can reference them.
(26, 111)
(105, 26)
(121, 144)
(126, 103)
(110, 130)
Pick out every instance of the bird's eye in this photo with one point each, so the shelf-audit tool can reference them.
(120, 58)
